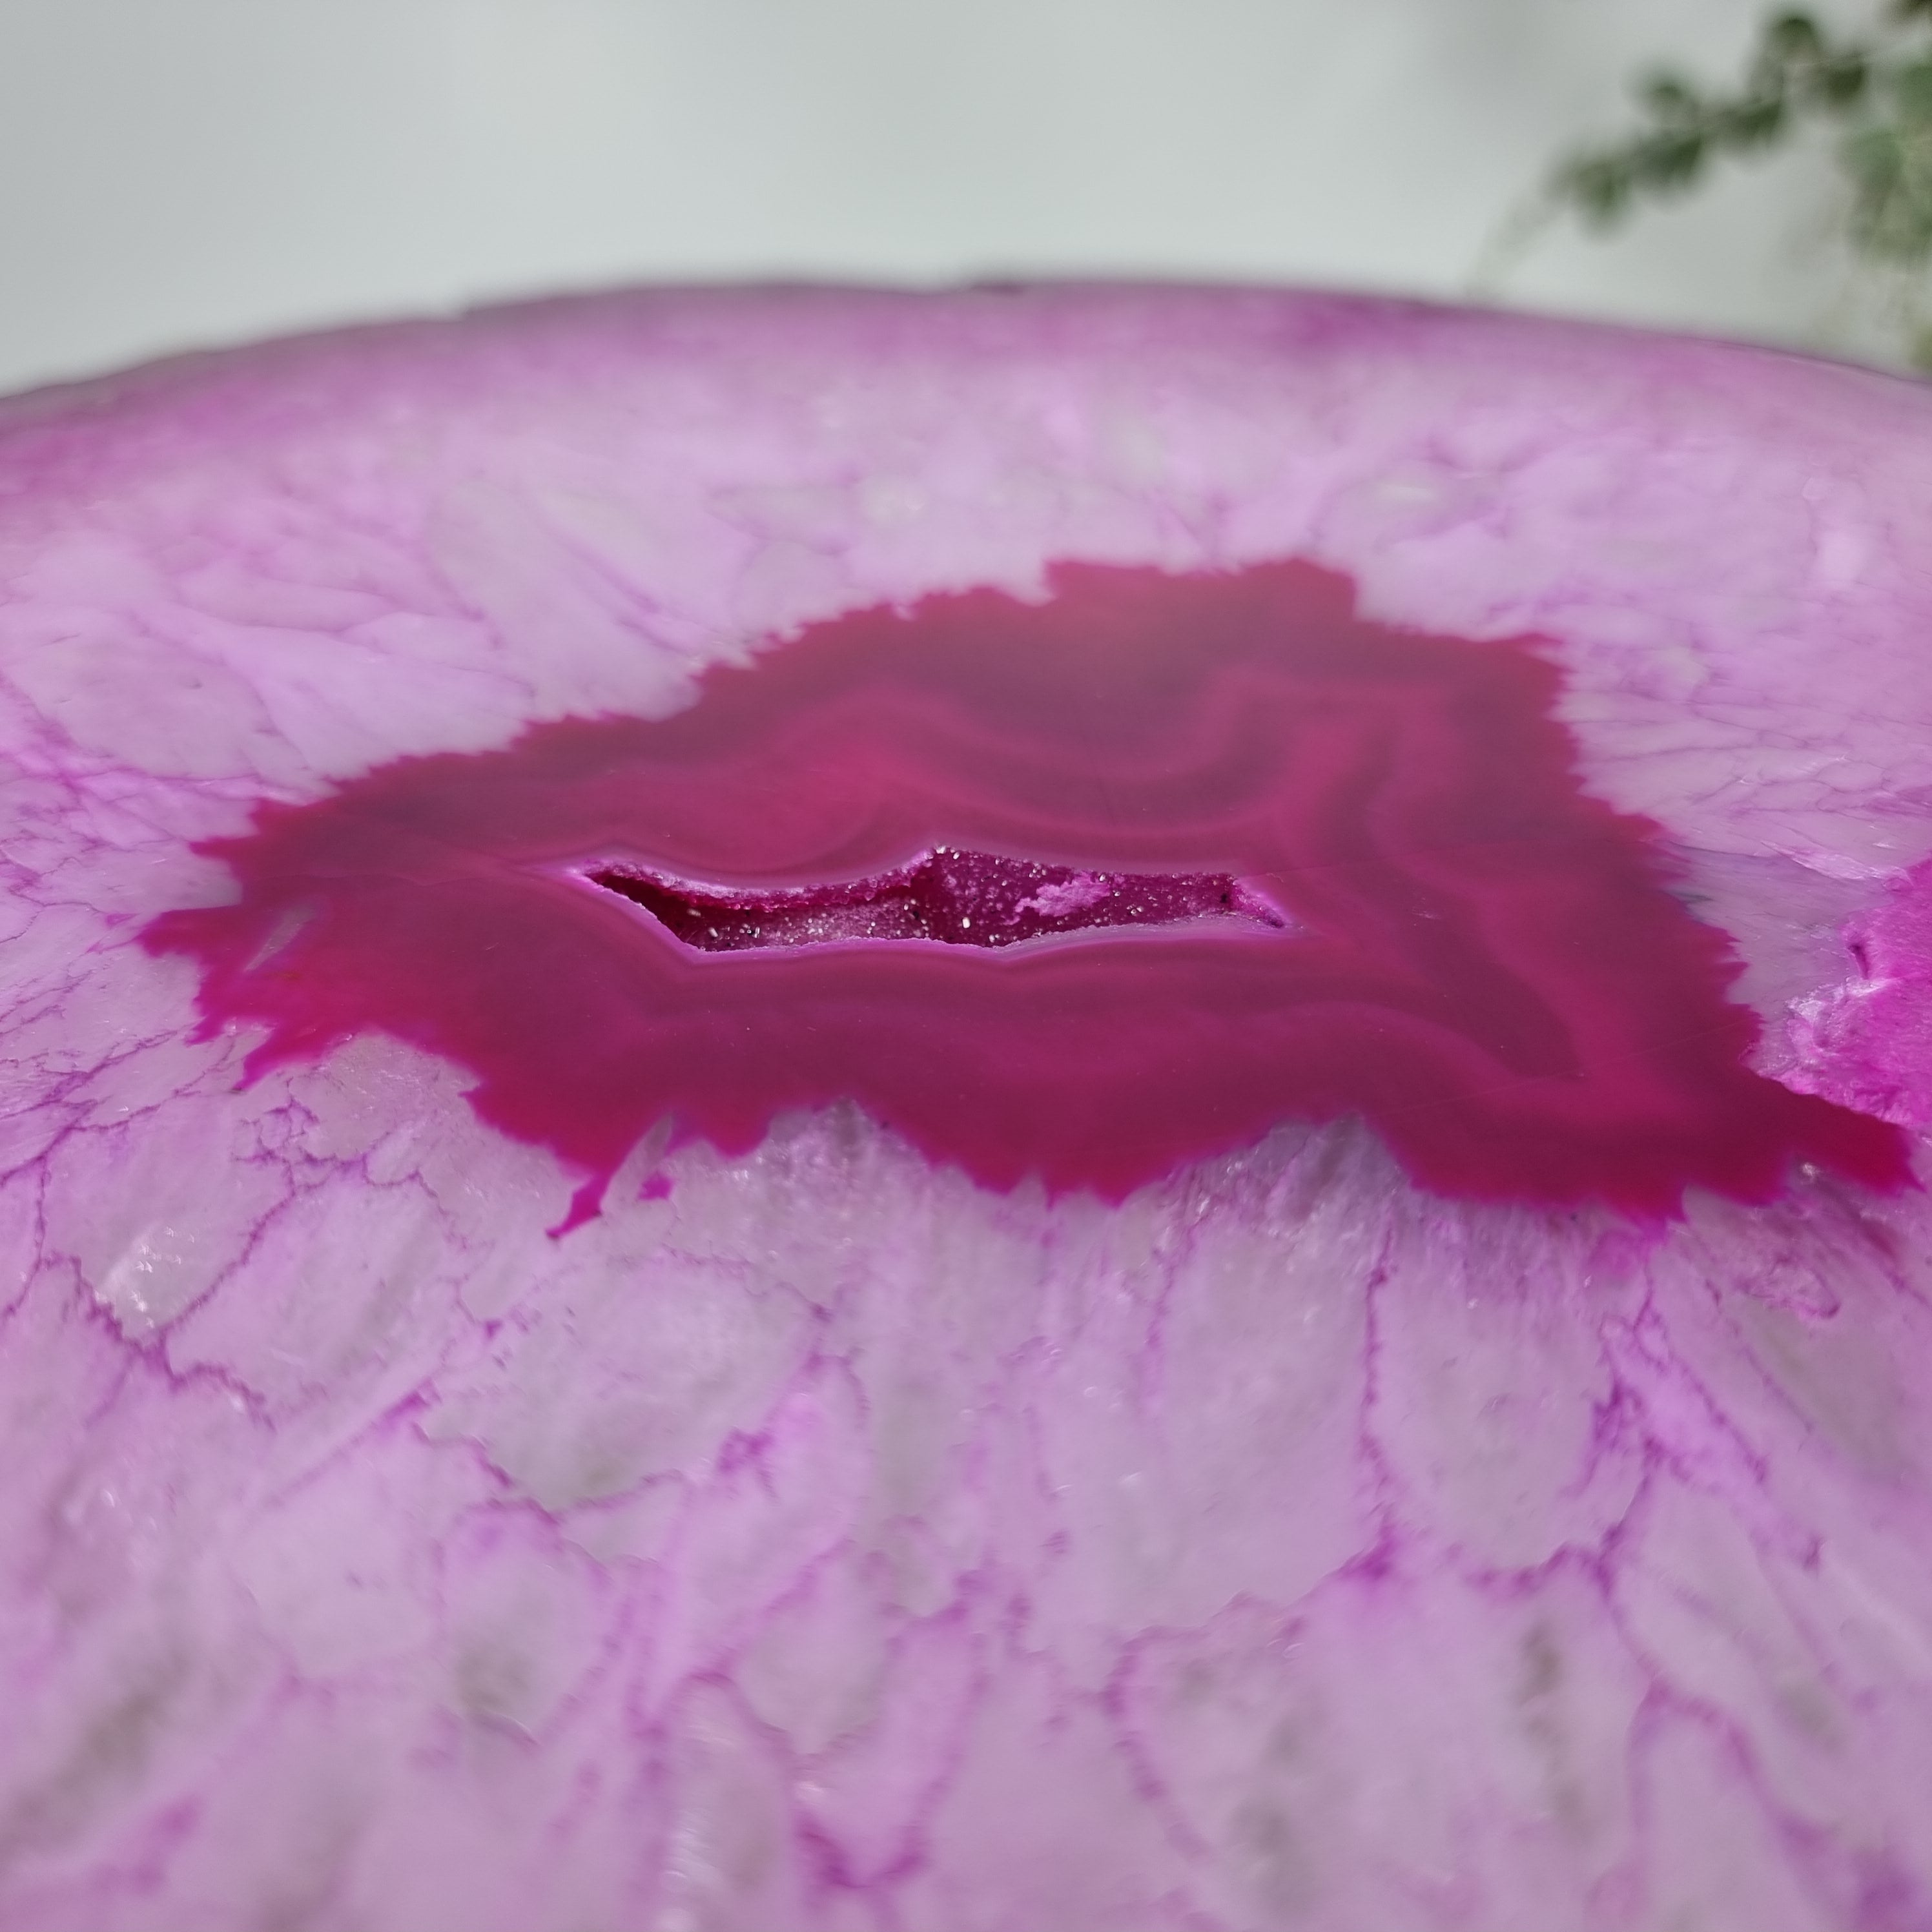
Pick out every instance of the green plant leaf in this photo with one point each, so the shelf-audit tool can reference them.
(1752, 123)
(1598, 186)
(1669, 161)
(1669, 97)
(1842, 82)
(1873, 158)
(1791, 37)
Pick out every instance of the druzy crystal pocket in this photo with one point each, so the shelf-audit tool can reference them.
(1094, 1109)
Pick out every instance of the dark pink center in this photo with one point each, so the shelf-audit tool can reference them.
(1086, 888)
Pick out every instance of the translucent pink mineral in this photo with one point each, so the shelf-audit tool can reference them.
(1082, 1111)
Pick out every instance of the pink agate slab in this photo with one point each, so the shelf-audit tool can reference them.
(1085, 1108)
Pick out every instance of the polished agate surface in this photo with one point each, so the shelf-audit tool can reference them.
(1094, 1109)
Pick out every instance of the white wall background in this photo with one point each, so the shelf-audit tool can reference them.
(176, 172)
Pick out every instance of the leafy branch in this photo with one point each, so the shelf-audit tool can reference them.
(1873, 90)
